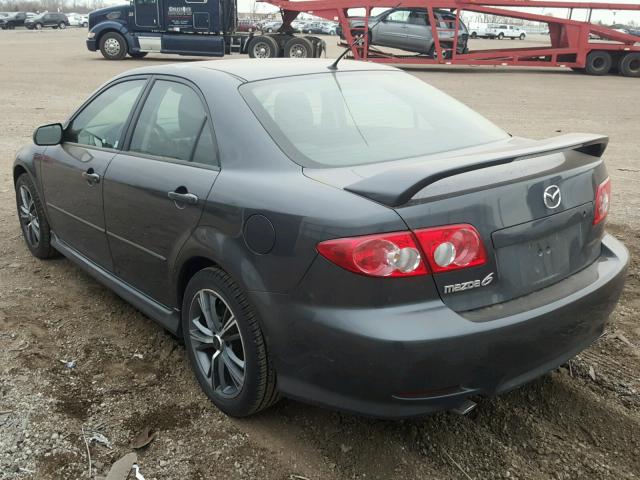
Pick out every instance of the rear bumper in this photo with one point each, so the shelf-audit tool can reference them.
(414, 359)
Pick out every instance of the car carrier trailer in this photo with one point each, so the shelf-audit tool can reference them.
(571, 45)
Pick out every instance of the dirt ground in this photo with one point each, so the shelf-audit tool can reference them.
(581, 421)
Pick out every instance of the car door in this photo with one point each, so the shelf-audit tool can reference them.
(419, 36)
(392, 30)
(146, 13)
(155, 191)
(72, 172)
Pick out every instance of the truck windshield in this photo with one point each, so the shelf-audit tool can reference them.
(355, 118)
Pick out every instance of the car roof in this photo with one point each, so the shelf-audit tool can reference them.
(250, 70)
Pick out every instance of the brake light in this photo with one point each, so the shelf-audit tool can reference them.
(383, 255)
(452, 247)
(603, 201)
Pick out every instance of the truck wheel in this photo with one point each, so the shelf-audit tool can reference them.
(298, 48)
(113, 46)
(263, 46)
(522, 36)
(630, 65)
(138, 54)
(598, 63)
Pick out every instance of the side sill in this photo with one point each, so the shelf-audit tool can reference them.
(165, 316)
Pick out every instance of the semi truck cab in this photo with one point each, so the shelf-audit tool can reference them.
(184, 27)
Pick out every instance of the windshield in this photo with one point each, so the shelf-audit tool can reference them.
(353, 118)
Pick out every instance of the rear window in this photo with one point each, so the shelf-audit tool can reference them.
(354, 118)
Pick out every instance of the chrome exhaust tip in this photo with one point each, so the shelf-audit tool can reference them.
(465, 407)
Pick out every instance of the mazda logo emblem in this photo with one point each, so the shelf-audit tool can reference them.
(552, 197)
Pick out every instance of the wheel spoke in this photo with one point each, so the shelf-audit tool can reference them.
(222, 382)
(24, 211)
(234, 358)
(204, 301)
(236, 374)
(26, 198)
(231, 323)
(35, 231)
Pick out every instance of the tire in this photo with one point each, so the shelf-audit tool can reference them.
(298, 48)
(215, 355)
(38, 26)
(263, 46)
(36, 235)
(598, 63)
(522, 36)
(85, 25)
(630, 65)
(62, 25)
(500, 36)
(474, 35)
(113, 46)
(137, 54)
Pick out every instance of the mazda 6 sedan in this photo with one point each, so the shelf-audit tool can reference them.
(350, 237)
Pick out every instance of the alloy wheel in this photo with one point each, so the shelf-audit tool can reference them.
(217, 343)
(29, 217)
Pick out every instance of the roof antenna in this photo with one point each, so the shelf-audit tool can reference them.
(334, 65)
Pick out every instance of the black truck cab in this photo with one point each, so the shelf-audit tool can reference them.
(185, 27)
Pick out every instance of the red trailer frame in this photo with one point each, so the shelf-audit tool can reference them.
(570, 39)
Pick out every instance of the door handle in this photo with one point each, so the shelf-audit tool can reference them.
(91, 177)
(188, 198)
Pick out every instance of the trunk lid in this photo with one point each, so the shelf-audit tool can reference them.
(531, 202)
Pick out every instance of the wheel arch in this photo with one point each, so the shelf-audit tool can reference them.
(103, 28)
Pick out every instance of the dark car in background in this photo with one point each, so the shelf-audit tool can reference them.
(409, 29)
(44, 20)
(12, 20)
(389, 252)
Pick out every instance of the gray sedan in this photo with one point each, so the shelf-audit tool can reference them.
(347, 236)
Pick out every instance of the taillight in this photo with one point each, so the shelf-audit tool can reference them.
(452, 247)
(603, 201)
(383, 255)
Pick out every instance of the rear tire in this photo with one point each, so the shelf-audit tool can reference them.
(474, 35)
(630, 65)
(33, 221)
(38, 26)
(263, 46)
(225, 345)
(298, 48)
(598, 63)
(62, 25)
(522, 36)
(113, 46)
(500, 36)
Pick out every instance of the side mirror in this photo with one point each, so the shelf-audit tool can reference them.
(48, 135)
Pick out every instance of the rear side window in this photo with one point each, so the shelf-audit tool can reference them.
(100, 123)
(354, 118)
(174, 124)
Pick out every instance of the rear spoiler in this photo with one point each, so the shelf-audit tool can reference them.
(397, 186)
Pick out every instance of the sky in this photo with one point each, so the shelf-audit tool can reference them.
(605, 16)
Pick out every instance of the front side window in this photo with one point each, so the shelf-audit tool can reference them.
(398, 16)
(100, 124)
(174, 124)
(354, 118)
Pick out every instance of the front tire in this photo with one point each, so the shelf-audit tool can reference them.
(38, 26)
(522, 36)
(500, 36)
(33, 222)
(113, 46)
(225, 345)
